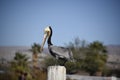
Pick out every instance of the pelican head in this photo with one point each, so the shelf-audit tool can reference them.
(47, 33)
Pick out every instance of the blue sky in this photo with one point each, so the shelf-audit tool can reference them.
(22, 21)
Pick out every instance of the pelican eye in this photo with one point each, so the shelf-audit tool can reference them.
(45, 32)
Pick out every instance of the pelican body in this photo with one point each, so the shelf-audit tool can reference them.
(56, 51)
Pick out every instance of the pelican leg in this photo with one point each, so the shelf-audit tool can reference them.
(56, 61)
(64, 61)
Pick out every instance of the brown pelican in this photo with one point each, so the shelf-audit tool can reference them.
(56, 51)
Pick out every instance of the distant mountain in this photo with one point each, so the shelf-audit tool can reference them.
(113, 49)
(8, 52)
(113, 55)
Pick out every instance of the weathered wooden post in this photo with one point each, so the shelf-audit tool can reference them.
(56, 73)
(113, 78)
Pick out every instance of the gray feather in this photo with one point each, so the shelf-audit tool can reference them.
(61, 52)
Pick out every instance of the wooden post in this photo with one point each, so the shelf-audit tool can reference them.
(56, 73)
(113, 78)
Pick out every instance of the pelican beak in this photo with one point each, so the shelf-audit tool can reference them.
(44, 39)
